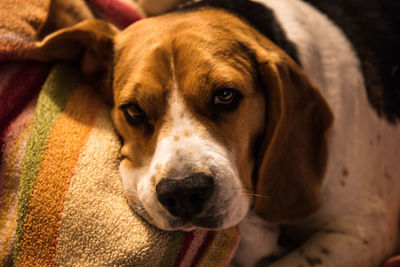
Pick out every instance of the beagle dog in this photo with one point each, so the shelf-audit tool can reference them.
(253, 113)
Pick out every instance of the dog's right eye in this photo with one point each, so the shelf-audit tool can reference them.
(134, 115)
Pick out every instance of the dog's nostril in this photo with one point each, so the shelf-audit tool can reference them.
(195, 199)
(170, 203)
(185, 197)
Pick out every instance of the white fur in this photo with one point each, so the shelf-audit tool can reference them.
(358, 222)
(258, 240)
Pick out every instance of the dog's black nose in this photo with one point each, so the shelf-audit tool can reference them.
(185, 197)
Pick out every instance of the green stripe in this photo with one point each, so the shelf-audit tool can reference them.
(51, 102)
(174, 246)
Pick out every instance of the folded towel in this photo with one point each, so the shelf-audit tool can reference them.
(61, 197)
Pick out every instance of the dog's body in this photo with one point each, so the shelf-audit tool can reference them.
(358, 222)
(216, 120)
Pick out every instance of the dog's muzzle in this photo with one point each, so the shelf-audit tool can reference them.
(185, 197)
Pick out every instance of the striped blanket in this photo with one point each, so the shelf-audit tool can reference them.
(61, 197)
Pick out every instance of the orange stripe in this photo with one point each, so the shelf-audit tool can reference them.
(69, 134)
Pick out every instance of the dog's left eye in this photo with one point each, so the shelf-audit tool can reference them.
(225, 96)
(134, 115)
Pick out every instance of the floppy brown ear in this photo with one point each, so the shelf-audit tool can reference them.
(90, 43)
(294, 149)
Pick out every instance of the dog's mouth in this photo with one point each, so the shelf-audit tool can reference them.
(206, 222)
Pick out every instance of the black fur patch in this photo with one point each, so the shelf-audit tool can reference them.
(373, 27)
(257, 15)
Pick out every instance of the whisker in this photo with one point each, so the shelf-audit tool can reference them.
(256, 195)
(248, 192)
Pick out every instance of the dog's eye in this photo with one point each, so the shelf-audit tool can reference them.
(134, 115)
(225, 100)
(225, 96)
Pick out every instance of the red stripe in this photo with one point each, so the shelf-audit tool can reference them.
(115, 11)
(22, 87)
(188, 239)
(207, 240)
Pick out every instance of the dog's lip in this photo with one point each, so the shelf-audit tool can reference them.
(213, 222)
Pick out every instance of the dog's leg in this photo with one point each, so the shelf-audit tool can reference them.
(353, 241)
(258, 242)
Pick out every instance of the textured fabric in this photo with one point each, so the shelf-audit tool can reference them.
(61, 197)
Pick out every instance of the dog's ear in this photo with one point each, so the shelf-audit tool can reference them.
(90, 43)
(293, 154)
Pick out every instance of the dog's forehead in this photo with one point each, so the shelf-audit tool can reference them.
(194, 50)
(163, 37)
(206, 22)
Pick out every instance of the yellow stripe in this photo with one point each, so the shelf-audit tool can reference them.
(219, 248)
(68, 136)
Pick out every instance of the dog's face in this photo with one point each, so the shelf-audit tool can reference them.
(189, 111)
(214, 117)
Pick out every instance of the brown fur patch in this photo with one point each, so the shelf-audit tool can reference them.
(187, 133)
(345, 172)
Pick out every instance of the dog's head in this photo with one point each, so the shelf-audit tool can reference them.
(214, 119)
